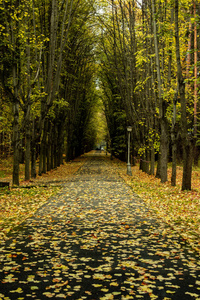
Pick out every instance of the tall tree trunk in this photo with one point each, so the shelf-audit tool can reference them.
(27, 142)
(49, 145)
(195, 72)
(44, 148)
(27, 152)
(55, 53)
(33, 152)
(34, 149)
(15, 75)
(162, 106)
(52, 146)
(55, 145)
(60, 143)
(16, 134)
(152, 158)
(33, 162)
(158, 170)
(69, 149)
(41, 150)
(174, 141)
(173, 127)
(16, 139)
(196, 150)
(187, 142)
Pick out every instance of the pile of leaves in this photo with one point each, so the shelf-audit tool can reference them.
(19, 203)
(180, 209)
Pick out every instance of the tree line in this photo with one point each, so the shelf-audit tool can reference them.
(61, 59)
(47, 81)
(149, 68)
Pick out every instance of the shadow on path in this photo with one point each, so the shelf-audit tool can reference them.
(97, 240)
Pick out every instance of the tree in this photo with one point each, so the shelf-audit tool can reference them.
(10, 70)
(32, 74)
(162, 106)
(186, 138)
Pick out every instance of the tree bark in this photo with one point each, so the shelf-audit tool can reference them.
(27, 150)
(152, 164)
(196, 152)
(16, 133)
(49, 145)
(162, 107)
(16, 140)
(33, 150)
(158, 170)
(15, 78)
(55, 146)
(174, 141)
(41, 151)
(186, 139)
(27, 124)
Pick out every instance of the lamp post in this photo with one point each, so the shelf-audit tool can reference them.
(129, 172)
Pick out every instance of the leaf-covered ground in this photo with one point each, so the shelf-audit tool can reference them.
(17, 204)
(96, 239)
(180, 209)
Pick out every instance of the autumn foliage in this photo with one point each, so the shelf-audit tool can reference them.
(179, 209)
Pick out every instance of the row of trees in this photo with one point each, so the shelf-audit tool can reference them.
(149, 75)
(47, 73)
(59, 57)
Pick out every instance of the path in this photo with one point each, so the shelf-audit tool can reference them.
(96, 240)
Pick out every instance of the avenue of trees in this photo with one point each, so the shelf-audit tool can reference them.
(47, 81)
(63, 60)
(149, 74)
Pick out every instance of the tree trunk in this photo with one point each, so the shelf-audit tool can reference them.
(174, 150)
(152, 155)
(55, 144)
(27, 144)
(148, 160)
(27, 153)
(16, 140)
(41, 160)
(162, 106)
(33, 151)
(16, 133)
(164, 149)
(158, 170)
(52, 147)
(187, 142)
(60, 143)
(41, 151)
(173, 129)
(196, 155)
(69, 149)
(44, 148)
(48, 154)
(174, 141)
(49, 145)
(195, 84)
(33, 161)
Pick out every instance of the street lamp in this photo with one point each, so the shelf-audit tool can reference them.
(129, 172)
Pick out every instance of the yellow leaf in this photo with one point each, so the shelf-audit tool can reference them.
(19, 290)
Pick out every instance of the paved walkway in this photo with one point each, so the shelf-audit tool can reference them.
(97, 240)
